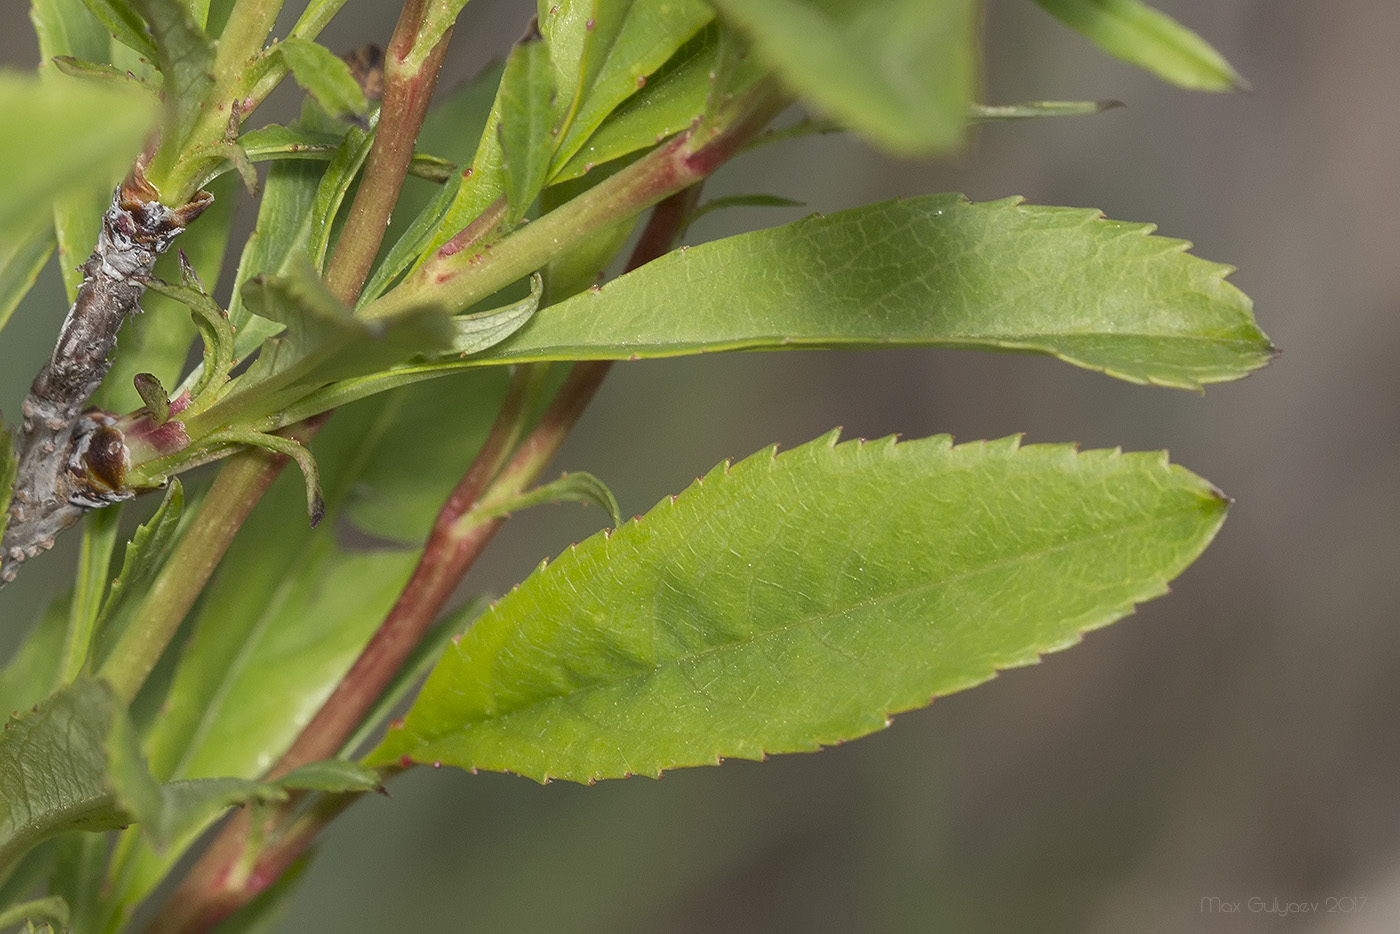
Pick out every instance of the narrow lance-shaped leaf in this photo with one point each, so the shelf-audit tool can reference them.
(529, 112)
(899, 72)
(928, 271)
(672, 100)
(74, 134)
(323, 75)
(798, 600)
(622, 43)
(145, 554)
(20, 262)
(1146, 37)
(185, 57)
(125, 25)
(578, 486)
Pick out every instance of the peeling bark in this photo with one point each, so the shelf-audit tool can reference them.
(70, 461)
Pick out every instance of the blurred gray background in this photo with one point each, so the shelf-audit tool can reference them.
(1233, 745)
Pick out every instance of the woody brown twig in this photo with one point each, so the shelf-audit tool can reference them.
(70, 461)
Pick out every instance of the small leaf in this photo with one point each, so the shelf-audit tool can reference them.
(145, 554)
(795, 601)
(927, 271)
(154, 396)
(1142, 36)
(620, 43)
(742, 201)
(419, 441)
(125, 25)
(286, 207)
(75, 135)
(529, 112)
(324, 75)
(672, 100)
(1035, 109)
(899, 72)
(214, 327)
(52, 909)
(188, 807)
(482, 330)
(330, 193)
(324, 341)
(185, 57)
(336, 776)
(578, 487)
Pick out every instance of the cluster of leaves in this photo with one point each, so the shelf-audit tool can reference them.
(783, 603)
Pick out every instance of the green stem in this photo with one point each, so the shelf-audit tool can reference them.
(460, 278)
(235, 491)
(245, 33)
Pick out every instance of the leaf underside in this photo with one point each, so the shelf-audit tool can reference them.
(933, 271)
(794, 601)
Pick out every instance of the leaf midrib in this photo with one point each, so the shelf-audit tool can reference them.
(813, 620)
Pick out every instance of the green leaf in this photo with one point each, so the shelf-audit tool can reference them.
(324, 341)
(1035, 109)
(185, 57)
(94, 574)
(51, 909)
(125, 25)
(798, 600)
(33, 673)
(286, 615)
(187, 807)
(75, 134)
(741, 201)
(287, 201)
(578, 487)
(96, 71)
(421, 439)
(332, 775)
(529, 112)
(323, 75)
(610, 48)
(70, 764)
(671, 101)
(21, 259)
(899, 72)
(452, 127)
(482, 330)
(7, 474)
(1142, 36)
(213, 324)
(278, 141)
(145, 555)
(330, 193)
(928, 271)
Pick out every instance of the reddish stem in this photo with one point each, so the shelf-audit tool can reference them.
(220, 883)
